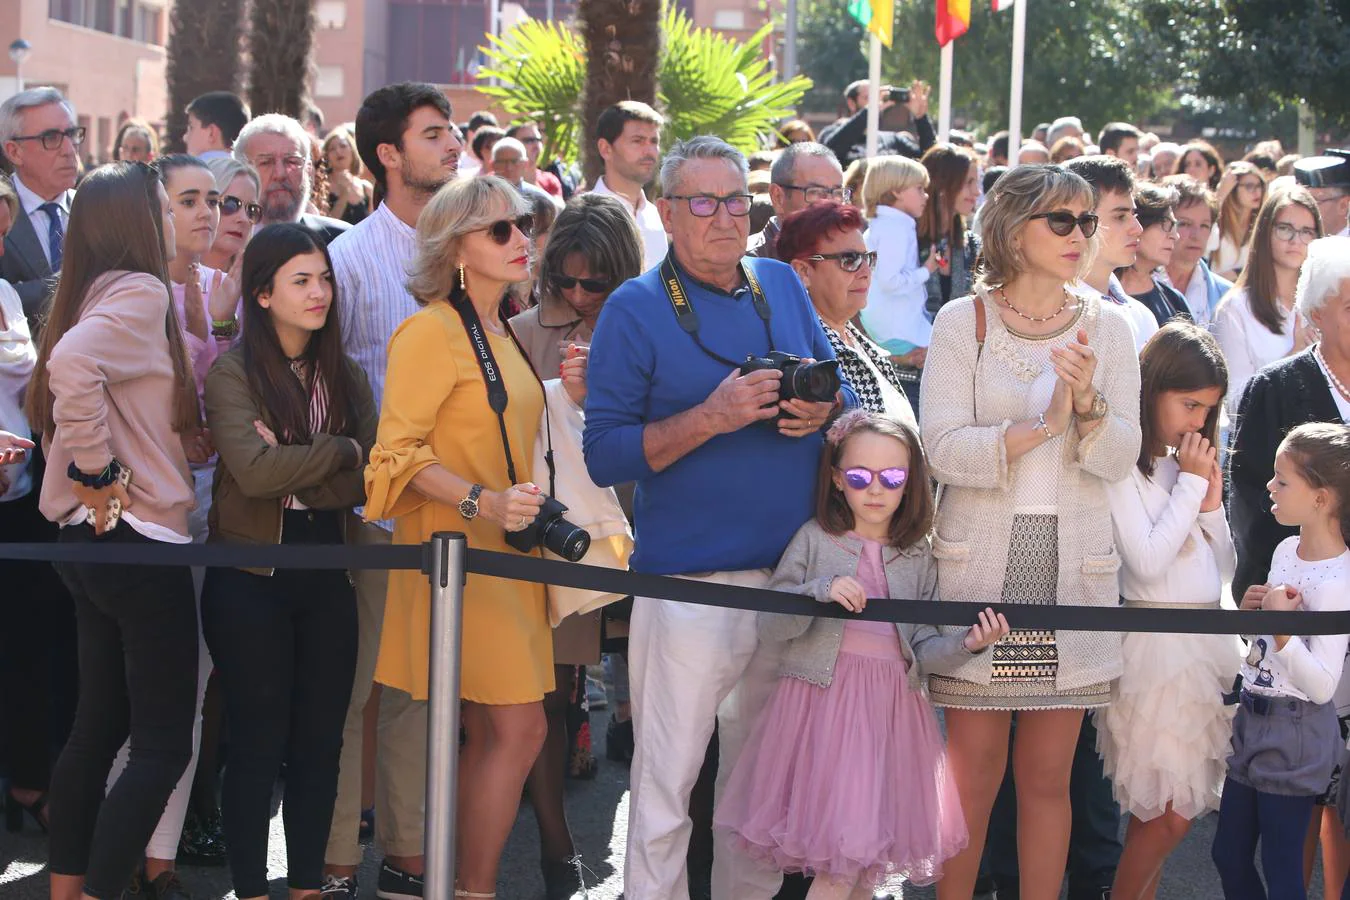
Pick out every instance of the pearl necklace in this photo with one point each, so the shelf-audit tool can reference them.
(1336, 382)
(1003, 294)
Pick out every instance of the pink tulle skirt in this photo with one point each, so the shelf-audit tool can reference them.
(847, 782)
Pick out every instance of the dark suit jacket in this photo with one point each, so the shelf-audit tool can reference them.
(1278, 398)
(327, 227)
(848, 139)
(25, 266)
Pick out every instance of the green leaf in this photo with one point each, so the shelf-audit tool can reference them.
(541, 69)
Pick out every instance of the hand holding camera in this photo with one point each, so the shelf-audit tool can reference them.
(806, 391)
(514, 508)
(742, 399)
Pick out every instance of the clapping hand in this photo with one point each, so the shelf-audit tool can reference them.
(990, 628)
(225, 291)
(1075, 364)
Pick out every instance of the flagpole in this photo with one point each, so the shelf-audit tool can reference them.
(945, 93)
(1019, 47)
(873, 94)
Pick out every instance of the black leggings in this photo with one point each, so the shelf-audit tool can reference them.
(285, 648)
(137, 630)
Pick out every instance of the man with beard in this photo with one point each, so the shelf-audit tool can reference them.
(405, 135)
(279, 148)
(628, 136)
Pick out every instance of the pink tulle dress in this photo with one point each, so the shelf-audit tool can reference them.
(850, 781)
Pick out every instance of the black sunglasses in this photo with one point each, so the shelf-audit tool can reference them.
(230, 205)
(590, 285)
(850, 260)
(1062, 222)
(500, 231)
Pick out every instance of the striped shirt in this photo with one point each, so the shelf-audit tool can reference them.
(370, 268)
(318, 420)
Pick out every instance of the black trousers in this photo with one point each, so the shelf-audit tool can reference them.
(285, 648)
(37, 652)
(137, 628)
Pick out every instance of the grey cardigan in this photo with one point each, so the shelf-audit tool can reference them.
(813, 560)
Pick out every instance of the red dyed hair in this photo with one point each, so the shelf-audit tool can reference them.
(805, 230)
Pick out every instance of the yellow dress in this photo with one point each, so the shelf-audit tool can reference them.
(435, 410)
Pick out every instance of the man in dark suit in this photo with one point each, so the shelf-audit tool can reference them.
(278, 147)
(41, 139)
(848, 137)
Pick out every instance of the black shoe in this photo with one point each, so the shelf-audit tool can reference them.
(563, 879)
(203, 841)
(166, 887)
(137, 890)
(1006, 889)
(396, 884)
(336, 887)
(619, 741)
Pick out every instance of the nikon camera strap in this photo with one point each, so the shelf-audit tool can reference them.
(496, 386)
(688, 318)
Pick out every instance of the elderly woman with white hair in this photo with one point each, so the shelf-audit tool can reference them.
(1311, 386)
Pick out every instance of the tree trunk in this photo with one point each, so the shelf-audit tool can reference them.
(623, 50)
(203, 55)
(281, 41)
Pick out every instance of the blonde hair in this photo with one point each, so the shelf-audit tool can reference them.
(10, 198)
(1020, 194)
(459, 208)
(856, 174)
(342, 132)
(886, 177)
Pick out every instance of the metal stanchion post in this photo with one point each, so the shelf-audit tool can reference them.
(445, 567)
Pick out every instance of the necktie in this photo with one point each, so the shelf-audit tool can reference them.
(56, 235)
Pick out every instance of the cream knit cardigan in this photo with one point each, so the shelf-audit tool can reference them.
(969, 400)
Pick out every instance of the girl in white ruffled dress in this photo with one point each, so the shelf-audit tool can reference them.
(1164, 738)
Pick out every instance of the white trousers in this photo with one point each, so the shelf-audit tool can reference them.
(691, 666)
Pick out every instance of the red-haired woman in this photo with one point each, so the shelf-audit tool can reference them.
(824, 245)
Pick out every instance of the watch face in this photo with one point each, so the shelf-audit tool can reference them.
(468, 508)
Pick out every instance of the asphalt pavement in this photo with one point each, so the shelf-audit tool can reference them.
(598, 811)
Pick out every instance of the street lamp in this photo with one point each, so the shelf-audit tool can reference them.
(18, 51)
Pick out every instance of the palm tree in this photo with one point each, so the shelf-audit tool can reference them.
(281, 41)
(623, 52)
(203, 55)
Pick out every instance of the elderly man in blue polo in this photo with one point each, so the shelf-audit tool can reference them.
(725, 472)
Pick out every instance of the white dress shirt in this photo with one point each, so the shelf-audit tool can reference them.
(39, 217)
(654, 240)
(1247, 344)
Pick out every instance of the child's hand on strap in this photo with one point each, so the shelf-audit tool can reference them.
(987, 631)
(848, 593)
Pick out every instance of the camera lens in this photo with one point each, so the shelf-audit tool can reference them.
(565, 539)
(815, 382)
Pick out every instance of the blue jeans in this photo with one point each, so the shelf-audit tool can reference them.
(1280, 824)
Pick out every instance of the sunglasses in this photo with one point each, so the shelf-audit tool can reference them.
(1062, 222)
(231, 205)
(590, 285)
(500, 231)
(860, 478)
(850, 260)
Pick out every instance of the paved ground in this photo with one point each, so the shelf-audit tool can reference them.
(599, 815)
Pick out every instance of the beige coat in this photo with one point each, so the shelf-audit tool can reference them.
(970, 398)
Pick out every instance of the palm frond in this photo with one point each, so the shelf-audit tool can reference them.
(541, 70)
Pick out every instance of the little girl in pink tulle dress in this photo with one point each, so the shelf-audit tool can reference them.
(845, 776)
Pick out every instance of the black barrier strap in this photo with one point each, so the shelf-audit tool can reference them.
(576, 575)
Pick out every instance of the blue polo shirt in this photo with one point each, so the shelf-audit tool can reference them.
(735, 502)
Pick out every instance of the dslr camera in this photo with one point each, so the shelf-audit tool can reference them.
(816, 382)
(552, 532)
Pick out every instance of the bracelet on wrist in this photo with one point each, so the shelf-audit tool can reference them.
(224, 328)
(1045, 427)
(98, 480)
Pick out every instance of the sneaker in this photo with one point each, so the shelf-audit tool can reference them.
(338, 888)
(203, 841)
(167, 887)
(396, 884)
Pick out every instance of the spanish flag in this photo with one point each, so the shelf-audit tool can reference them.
(878, 16)
(953, 20)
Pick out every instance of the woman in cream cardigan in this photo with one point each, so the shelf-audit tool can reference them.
(1030, 406)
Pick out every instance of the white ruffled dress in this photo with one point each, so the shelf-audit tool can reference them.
(1165, 737)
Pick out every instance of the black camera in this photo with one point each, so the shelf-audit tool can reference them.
(816, 382)
(552, 532)
(895, 94)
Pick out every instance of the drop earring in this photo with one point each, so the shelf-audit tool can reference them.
(462, 285)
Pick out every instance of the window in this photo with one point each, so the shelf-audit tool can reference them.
(126, 18)
(438, 42)
(729, 19)
(331, 13)
(329, 82)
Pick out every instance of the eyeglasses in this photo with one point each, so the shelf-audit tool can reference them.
(1255, 185)
(860, 478)
(51, 138)
(814, 193)
(229, 205)
(268, 163)
(500, 231)
(849, 260)
(1286, 232)
(1062, 222)
(705, 207)
(1168, 224)
(590, 285)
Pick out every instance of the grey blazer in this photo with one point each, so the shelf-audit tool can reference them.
(810, 563)
(25, 266)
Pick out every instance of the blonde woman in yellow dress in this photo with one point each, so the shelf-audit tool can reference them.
(439, 464)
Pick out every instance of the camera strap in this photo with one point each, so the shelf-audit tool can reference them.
(496, 386)
(688, 318)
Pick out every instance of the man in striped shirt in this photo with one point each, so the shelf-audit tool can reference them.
(405, 136)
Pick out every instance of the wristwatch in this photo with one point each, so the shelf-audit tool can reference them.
(1098, 409)
(468, 507)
